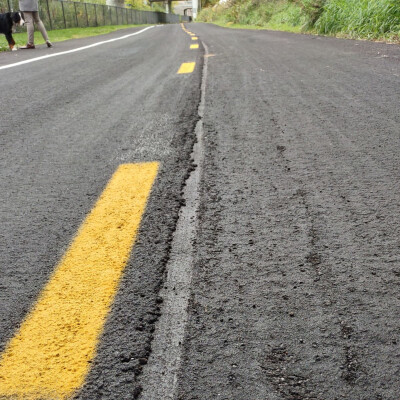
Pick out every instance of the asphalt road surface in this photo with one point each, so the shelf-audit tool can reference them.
(267, 261)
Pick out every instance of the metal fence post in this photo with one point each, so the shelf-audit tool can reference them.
(48, 13)
(95, 15)
(104, 15)
(116, 13)
(76, 16)
(65, 22)
(87, 18)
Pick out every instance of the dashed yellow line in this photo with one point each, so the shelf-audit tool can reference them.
(194, 46)
(187, 68)
(195, 38)
(188, 32)
(50, 355)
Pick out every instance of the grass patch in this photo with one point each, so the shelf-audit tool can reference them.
(64, 34)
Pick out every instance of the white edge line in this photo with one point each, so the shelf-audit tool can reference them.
(74, 50)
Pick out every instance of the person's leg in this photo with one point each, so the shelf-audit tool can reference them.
(29, 27)
(40, 25)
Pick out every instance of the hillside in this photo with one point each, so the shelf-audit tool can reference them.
(370, 19)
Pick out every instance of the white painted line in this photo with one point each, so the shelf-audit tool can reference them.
(74, 50)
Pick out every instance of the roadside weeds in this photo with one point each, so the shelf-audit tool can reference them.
(394, 39)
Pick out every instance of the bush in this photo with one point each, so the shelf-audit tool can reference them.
(312, 9)
(254, 12)
(291, 15)
(356, 18)
(366, 18)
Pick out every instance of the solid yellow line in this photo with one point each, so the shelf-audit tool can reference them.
(194, 46)
(194, 37)
(50, 355)
(186, 68)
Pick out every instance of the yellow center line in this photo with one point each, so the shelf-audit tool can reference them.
(50, 355)
(194, 37)
(187, 68)
(194, 46)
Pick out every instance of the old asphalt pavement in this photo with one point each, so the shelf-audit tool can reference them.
(191, 212)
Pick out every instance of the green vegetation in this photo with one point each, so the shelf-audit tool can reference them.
(63, 34)
(261, 14)
(141, 5)
(156, 7)
(371, 19)
(360, 18)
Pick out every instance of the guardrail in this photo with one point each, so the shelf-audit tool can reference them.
(57, 14)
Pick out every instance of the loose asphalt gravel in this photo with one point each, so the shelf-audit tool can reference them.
(295, 280)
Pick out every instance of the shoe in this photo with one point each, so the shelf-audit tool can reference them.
(49, 44)
(28, 46)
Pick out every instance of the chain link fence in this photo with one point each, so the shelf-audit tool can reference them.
(57, 14)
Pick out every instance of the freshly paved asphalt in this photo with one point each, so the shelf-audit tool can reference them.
(295, 288)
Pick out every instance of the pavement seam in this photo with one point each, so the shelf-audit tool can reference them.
(160, 376)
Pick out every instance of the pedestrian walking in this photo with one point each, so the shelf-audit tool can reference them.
(30, 8)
